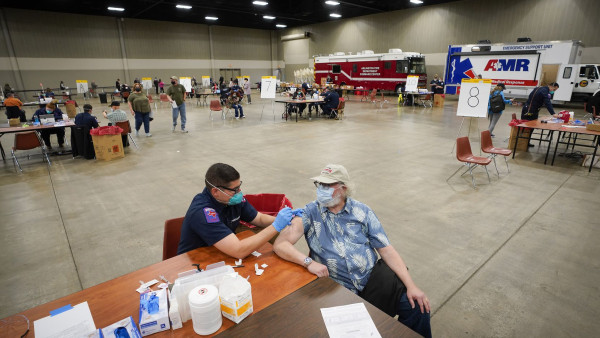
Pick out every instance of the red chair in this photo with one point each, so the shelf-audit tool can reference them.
(464, 154)
(171, 237)
(338, 112)
(151, 100)
(215, 105)
(164, 98)
(425, 100)
(27, 141)
(126, 126)
(372, 96)
(488, 148)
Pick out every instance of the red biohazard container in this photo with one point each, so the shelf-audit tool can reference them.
(269, 204)
(564, 115)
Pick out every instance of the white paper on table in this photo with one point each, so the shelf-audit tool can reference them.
(351, 320)
(256, 254)
(76, 322)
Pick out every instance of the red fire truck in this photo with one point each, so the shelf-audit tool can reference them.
(383, 71)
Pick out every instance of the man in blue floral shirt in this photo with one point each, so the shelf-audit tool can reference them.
(344, 237)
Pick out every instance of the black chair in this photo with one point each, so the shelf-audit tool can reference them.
(14, 112)
(81, 142)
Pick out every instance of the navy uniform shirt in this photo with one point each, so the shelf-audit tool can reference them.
(86, 119)
(540, 97)
(207, 221)
(58, 114)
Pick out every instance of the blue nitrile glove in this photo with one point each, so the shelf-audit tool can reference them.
(284, 217)
(298, 212)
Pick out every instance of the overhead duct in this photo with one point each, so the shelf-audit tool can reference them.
(295, 36)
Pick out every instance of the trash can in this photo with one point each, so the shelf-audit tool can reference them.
(108, 144)
(103, 98)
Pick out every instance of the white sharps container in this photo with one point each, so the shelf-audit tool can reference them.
(205, 309)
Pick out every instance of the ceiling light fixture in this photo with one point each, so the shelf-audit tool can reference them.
(332, 3)
(213, 18)
(260, 3)
(184, 6)
(335, 15)
(118, 9)
(280, 25)
(268, 17)
(418, 2)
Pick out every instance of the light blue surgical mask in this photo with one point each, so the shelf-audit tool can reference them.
(552, 92)
(48, 111)
(325, 195)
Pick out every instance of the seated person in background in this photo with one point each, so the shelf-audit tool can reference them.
(332, 100)
(86, 119)
(16, 107)
(437, 85)
(51, 108)
(233, 101)
(236, 86)
(125, 91)
(116, 114)
(344, 237)
(49, 93)
(216, 212)
(7, 89)
(329, 80)
(305, 86)
(592, 105)
(338, 90)
(301, 95)
(315, 96)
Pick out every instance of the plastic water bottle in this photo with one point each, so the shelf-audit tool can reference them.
(36, 120)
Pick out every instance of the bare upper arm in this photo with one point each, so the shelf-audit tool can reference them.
(291, 233)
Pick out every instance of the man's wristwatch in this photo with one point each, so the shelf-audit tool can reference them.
(307, 261)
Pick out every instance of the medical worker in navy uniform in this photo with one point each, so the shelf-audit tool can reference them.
(539, 97)
(215, 213)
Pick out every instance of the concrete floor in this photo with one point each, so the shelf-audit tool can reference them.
(514, 257)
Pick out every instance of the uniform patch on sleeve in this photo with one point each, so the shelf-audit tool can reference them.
(211, 215)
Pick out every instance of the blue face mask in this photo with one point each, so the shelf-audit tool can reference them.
(236, 199)
(325, 195)
(48, 111)
(552, 92)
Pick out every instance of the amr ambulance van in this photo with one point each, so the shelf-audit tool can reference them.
(523, 66)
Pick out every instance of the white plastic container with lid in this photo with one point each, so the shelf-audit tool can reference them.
(205, 309)
(183, 286)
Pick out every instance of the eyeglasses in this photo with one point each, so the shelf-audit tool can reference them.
(325, 185)
(233, 190)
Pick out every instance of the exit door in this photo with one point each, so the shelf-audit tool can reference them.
(229, 73)
(566, 82)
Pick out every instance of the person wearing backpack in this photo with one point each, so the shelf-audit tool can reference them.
(496, 106)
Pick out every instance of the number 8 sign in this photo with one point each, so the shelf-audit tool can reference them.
(268, 85)
(474, 97)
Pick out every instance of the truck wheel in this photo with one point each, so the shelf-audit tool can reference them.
(399, 89)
